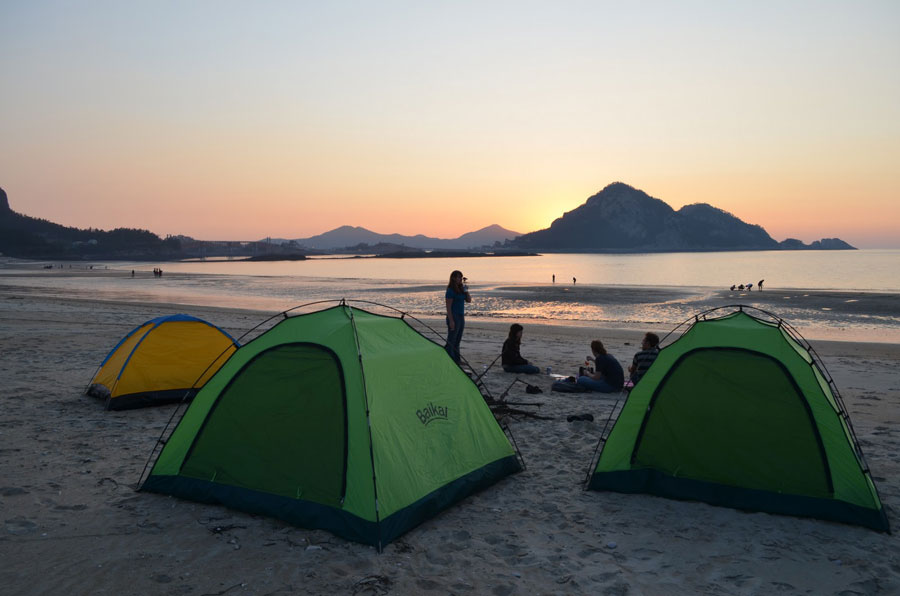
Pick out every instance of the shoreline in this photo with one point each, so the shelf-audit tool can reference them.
(832, 315)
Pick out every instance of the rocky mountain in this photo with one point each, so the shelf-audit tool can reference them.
(345, 236)
(620, 218)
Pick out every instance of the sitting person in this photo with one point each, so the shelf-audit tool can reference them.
(644, 358)
(609, 376)
(511, 359)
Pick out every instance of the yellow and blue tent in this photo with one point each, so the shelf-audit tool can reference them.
(166, 359)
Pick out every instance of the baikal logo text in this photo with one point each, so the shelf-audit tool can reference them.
(431, 413)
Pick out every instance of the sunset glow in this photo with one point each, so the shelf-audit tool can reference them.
(231, 122)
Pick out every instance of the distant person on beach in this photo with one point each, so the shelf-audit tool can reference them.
(608, 376)
(643, 359)
(456, 296)
(750, 287)
(573, 281)
(554, 278)
(741, 287)
(759, 284)
(510, 357)
(732, 287)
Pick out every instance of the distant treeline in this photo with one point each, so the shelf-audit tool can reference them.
(28, 237)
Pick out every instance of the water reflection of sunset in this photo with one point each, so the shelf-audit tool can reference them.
(849, 315)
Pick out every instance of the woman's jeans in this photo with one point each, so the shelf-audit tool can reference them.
(595, 385)
(454, 336)
(521, 369)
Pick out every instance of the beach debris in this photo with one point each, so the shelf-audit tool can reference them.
(225, 591)
(611, 544)
(373, 584)
(581, 417)
(501, 409)
(220, 529)
(106, 479)
(403, 547)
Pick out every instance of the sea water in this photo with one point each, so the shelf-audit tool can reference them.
(850, 295)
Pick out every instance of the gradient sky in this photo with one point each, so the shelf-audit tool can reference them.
(237, 120)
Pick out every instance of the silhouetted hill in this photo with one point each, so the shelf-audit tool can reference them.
(620, 218)
(701, 226)
(823, 244)
(29, 237)
(485, 237)
(350, 236)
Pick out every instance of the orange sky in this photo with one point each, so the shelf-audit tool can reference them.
(225, 123)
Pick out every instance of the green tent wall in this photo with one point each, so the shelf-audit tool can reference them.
(342, 420)
(737, 412)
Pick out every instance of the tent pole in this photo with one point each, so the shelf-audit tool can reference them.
(362, 372)
(596, 455)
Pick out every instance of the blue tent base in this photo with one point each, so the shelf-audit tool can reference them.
(654, 482)
(150, 398)
(312, 515)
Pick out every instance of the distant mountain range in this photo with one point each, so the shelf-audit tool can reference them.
(350, 236)
(620, 218)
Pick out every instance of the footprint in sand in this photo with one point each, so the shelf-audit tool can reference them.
(20, 526)
(9, 491)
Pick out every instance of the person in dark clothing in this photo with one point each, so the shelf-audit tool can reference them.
(644, 358)
(455, 297)
(609, 376)
(511, 359)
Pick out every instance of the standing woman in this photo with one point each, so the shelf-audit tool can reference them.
(457, 295)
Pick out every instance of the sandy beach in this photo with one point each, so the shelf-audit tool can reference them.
(73, 523)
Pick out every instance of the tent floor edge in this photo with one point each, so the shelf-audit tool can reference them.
(404, 520)
(304, 514)
(654, 482)
(147, 399)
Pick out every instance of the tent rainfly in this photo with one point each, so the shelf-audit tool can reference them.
(164, 360)
(739, 412)
(342, 420)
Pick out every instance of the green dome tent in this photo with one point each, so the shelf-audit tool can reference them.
(340, 419)
(739, 412)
